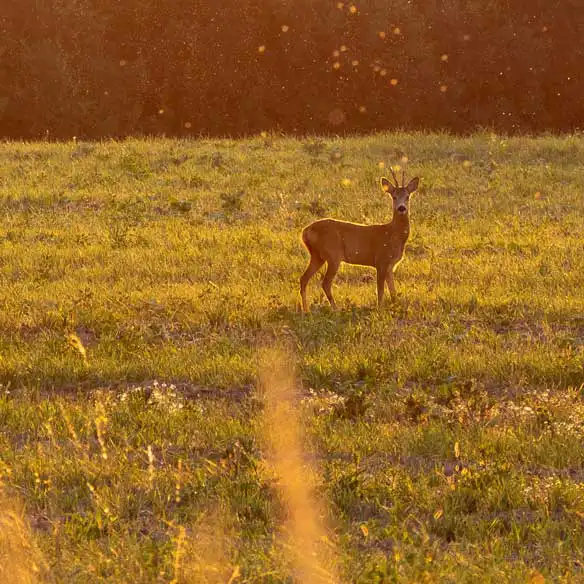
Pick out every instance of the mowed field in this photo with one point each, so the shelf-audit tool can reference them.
(143, 280)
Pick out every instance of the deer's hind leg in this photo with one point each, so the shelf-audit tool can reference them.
(313, 267)
(331, 272)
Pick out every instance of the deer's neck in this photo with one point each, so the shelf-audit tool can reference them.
(401, 225)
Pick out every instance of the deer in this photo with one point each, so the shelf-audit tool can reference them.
(379, 246)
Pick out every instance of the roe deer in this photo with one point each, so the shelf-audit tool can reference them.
(379, 246)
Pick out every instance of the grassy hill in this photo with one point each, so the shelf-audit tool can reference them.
(141, 279)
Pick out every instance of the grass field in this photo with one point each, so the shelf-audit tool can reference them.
(445, 432)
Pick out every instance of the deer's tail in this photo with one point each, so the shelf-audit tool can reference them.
(309, 238)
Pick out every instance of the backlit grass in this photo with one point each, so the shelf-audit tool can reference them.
(139, 280)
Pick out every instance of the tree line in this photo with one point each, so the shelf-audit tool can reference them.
(106, 68)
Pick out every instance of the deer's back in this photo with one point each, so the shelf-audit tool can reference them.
(344, 241)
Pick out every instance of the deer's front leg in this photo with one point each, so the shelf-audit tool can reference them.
(390, 283)
(382, 272)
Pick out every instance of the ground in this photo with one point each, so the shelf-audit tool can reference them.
(139, 281)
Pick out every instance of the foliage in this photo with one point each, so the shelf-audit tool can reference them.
(109, 69)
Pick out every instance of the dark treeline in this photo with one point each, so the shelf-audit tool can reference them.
(99, 68)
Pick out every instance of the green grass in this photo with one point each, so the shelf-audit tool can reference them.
(447, 427)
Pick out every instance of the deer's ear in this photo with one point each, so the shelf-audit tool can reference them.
(413, 185)
(387, 186)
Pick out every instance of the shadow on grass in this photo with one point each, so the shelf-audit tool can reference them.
(321, 318)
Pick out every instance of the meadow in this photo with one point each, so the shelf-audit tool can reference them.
(142, 279)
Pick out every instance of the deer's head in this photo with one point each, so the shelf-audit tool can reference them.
(400, 195)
